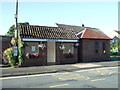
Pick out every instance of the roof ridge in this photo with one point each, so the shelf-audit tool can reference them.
(40, 26)
(68, 25)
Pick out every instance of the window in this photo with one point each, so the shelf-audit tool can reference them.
(104, 47)
(33, 48)
(96, 47)
(69, 48)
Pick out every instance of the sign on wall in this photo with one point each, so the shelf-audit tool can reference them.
(15, 50)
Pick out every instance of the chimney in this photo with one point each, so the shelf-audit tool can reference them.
(83, 25)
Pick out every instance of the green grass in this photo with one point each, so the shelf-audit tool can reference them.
(115, 57)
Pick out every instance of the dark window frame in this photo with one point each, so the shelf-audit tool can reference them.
(103, 47)
(96, 47)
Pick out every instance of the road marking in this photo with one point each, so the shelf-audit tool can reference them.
(5, 68)
(97, 79)
(106, 73)
(71, 76)
(14, 77)
(86, 65)
(24, 76)
(96, 69)
(59, 85)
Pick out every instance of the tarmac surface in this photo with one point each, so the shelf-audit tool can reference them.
(7, 71)
(105, 77)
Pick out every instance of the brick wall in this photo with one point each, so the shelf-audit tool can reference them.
(60, 59)
(5, 42)
(40, 61)
(88, 53)
(84, 53)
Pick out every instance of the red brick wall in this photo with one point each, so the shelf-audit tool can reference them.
(87, 50)
(5, 42)
(84, 53)
(60, 59)
(40, 61)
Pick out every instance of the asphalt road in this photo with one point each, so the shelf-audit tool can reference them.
(106, 77)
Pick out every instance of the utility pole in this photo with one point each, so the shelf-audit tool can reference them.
(16, 30)
(16, 19)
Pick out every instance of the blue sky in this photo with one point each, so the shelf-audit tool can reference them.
(102, 15)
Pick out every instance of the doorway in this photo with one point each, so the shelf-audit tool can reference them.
(51, 52)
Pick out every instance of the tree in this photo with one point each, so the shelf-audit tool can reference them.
(12, 29)
(115, 47)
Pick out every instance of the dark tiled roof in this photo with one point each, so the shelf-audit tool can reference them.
(44, 32)
(91, 34)
(116, 38)
(67, 32)
(77, 29)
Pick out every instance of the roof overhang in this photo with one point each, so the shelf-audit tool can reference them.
(55, 40)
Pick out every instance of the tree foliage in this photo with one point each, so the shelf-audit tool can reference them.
(9, 56)
(115, 47)
(12, 29)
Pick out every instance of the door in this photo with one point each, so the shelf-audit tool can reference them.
(51, 52)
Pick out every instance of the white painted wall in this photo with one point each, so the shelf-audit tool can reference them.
(51, 52)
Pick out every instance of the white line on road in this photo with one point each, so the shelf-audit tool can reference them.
(14, 77)
(59, 85)
(97, 79)
(96, 69)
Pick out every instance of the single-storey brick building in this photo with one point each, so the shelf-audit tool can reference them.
(63, 44)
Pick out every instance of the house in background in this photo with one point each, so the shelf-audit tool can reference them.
(115, 42)
(63, 44)
(115, 34)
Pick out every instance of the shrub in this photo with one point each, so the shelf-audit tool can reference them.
(20, 57)
(9, 55)
(11, 59)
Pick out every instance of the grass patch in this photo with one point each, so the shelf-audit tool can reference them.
(115, 57)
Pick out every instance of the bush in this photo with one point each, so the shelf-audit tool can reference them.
(113, 53)
(9, 57)
(20, 57)
(8, 53)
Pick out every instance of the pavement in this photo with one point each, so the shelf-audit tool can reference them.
(7, 71)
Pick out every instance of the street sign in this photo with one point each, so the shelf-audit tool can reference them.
(15, 51)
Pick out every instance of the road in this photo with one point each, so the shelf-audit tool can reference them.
(106, 77)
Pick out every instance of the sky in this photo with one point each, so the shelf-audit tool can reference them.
(102, 15)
